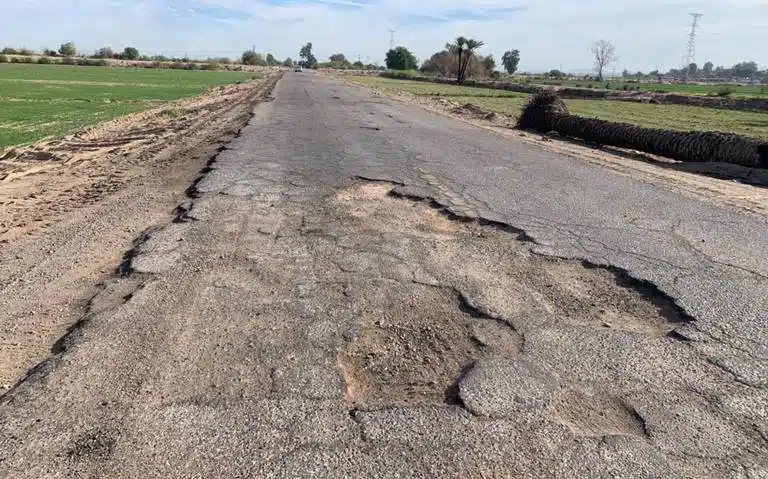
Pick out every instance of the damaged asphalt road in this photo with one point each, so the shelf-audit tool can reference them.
(363, 289)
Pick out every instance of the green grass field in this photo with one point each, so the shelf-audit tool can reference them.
(738, 90)
(671, 117)
(41, 101)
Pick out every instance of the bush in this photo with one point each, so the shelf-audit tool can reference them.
(9, 51)
(210, 66)
(22, 60)
(578, 85)
(3, 59)
(44, 61)
(89, 62)
(68, 61)
(400, 74)
(589, 85)
(725, 91)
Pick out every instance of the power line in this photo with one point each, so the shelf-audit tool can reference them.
(690, 53)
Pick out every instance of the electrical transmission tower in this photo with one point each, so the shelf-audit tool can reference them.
(391, 39)
(690, 53)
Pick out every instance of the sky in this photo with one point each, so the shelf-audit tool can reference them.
(648, 34)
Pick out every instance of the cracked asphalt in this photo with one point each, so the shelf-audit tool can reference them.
(360, 288)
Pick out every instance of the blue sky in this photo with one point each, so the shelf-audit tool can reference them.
(648, 34)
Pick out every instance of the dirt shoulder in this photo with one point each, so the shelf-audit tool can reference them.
(731, 185)
(71, 208)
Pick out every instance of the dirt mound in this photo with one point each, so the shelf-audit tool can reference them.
(473, 111)
(537, 112)
(546, 112)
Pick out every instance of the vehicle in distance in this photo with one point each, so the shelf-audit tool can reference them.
(297, 69)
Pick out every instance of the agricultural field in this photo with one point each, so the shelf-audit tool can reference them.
(41, 101)
(671, 117)
(684, 89)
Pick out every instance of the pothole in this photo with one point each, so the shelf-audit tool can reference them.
(413, 353)
(598, 297)
(596, 415)
(415, 350)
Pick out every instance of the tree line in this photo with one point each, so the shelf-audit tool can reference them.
(69, 50)
(748, 70)
(459, 58)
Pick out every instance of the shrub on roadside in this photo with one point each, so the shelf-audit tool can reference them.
(3, 59)
(210, 66)
(44, 61)
(22, 60)
(68, 61)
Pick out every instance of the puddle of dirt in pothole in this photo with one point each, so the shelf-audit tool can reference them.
(596, 415)
(416, 352)
(597, 297)
(413, 353)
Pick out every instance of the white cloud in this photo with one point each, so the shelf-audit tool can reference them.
(549, 33)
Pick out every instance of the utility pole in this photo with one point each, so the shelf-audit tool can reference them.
(391, 39)
(690, 52)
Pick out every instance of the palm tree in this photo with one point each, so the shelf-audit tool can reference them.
(464, 49)
(470, 47)
(457, 48)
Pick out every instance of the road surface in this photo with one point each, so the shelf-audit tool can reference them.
(360, 288)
